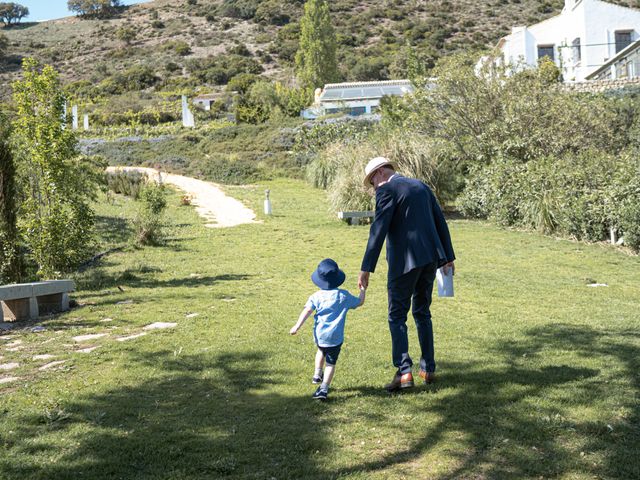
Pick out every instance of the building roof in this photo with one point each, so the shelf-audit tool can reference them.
(337, 92)
(619, 56)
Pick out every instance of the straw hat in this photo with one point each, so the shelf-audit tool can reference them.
(373, 165)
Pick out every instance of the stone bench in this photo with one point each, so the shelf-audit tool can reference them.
(353, 218)
(27, 301)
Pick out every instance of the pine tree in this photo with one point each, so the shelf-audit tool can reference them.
(316, 58)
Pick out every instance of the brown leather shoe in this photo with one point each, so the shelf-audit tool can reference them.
(428, 377)
(400, 382)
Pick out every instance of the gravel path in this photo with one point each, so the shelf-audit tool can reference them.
(210, 202)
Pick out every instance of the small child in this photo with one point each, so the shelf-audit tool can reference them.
(331, 305)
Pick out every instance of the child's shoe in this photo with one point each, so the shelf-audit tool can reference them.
(317, 379)
(320, 394)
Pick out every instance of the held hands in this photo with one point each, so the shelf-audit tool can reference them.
(363, 280)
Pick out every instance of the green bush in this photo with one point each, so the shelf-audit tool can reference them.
(218, 70)
(128, 183)
(240, 49)
(180, 47)
(578, 195)
(244, 9)
(148, 221)
(273, 12)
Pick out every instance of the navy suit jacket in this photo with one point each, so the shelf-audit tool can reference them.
(409, 217)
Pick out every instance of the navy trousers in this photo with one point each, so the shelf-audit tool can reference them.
(412, 290)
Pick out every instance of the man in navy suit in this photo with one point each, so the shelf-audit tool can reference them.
(418, 243)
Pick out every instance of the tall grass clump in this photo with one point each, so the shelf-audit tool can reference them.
(148, 221)
(339, 167)
(344, 179)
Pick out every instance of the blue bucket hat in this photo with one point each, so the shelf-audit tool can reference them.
(328, 276)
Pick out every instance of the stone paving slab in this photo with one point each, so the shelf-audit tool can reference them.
(160, 325)
(44, 356)
(52, 364)
(9, 366)
(91, 336)
(131, 337)
(8, 379)
(88, 349)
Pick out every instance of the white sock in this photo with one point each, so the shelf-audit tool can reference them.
(318, 372)
(325, 387)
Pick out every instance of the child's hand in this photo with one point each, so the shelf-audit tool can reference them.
(293, 330)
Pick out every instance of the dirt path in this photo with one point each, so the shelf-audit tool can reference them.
(210, 202)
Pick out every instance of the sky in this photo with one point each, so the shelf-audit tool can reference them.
(40, 10)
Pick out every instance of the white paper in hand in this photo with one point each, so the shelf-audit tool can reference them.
(445, 282)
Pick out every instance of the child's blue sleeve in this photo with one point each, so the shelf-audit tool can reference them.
(310, 303)
(352, 301)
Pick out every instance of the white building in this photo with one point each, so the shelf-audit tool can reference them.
(584, 37)
(354, 98)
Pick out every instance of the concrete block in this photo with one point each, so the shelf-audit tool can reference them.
(53, 286)
(64, 304)
(13, 292)
(21, 309)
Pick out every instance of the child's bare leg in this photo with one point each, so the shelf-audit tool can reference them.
(328, 375)
(319, 360)
(317, 374)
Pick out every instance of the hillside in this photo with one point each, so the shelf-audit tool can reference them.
(189, 44)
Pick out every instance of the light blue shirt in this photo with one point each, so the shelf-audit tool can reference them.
(331, 312)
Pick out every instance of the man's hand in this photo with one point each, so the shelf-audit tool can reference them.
(363, 280)
(293, 330)
(446, 267)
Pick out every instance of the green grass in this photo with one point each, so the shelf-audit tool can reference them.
(538, 373)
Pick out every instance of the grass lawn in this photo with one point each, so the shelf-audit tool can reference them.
(538, 373)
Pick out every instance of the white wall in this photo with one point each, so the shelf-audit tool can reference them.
(593, 21)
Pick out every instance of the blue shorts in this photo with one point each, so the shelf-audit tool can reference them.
(331, 354)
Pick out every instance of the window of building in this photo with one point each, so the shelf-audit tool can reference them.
(623, 40)
(357, 111)
(546, 51)
(577, 54)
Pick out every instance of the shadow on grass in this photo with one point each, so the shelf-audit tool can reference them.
(204, 417)
(217, 416)
(506, 440)
(113, 230)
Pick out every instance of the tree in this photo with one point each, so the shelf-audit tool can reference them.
(12, 13)
(55, 184)
(316, 57)
(93, 8)
(10, 265)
